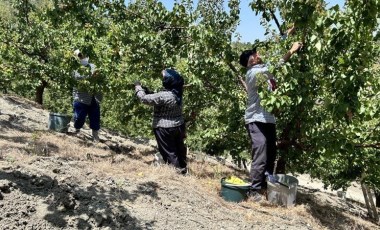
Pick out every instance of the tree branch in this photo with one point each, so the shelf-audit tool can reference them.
(276, 21)
(374, 146)
(169, 27)
(39, 54)
(239, 77)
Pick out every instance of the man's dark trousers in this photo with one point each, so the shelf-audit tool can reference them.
(81, 111)
(263, 137)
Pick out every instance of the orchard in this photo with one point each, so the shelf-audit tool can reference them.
(327, 101)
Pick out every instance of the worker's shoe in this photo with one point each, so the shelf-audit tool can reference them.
(74, 133)
(183, 171)
(95, 135)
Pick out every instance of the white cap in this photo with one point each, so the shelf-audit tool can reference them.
(76, 52)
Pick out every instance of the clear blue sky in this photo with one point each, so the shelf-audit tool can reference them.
(249, 27)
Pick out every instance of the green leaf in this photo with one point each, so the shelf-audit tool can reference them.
(318, 46)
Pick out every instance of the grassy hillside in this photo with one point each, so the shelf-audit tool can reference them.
(52, 180)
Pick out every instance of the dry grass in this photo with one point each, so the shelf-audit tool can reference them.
(204, 176)
(120, 159)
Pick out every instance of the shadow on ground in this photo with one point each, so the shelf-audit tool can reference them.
(330, 216)
(85, 207)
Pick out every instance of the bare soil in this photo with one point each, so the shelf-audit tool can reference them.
(51, 180)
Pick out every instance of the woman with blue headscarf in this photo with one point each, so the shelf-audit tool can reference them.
(168, 121)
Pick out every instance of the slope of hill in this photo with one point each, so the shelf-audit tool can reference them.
(51, 180)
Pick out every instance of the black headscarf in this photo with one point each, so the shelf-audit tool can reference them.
(173, 82)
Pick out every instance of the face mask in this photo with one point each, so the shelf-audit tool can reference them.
(84, 61)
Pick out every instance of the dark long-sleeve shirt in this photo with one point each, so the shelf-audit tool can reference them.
(167, 113)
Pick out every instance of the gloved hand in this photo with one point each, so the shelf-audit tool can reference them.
(270, 177)
(138, 87)
(272, 84)
(147, 90)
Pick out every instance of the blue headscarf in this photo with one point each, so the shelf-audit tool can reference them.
(173, 82)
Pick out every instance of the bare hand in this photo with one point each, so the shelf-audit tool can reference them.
(296, 46)
(95, 74)
(291, 30)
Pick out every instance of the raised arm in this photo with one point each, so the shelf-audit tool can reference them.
(154, 99)
(296, 46)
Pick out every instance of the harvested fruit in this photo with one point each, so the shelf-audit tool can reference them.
(235, 180)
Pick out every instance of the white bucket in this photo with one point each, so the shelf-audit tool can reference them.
(283, 191)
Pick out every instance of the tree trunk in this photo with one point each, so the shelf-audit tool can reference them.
(3, 87)
(245, 164)
(281, 165)
(40, 92)
(238, 162)
(377, 195)
(372, 211)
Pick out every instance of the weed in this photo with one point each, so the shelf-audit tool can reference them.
(217, 171)
(10, 159)
(37, 147)
(119, 189)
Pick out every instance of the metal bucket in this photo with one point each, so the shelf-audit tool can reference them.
(282, 190)
(59, 122)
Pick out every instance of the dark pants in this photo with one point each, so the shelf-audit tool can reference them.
(263, 137)
(171, 145)
(82, 110)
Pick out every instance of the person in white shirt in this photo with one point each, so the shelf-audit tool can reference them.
(260, 124)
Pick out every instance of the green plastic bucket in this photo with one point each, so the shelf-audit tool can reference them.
(232, 192)
(59, 122)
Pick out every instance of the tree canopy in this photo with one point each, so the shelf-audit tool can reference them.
(326, 105)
